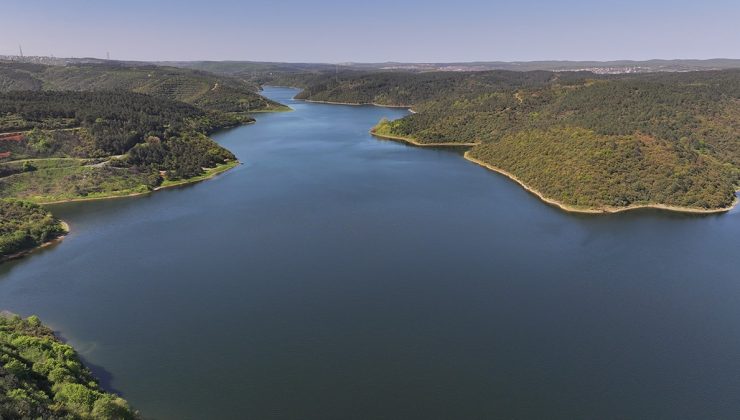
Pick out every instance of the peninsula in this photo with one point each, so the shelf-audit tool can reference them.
(581, 141)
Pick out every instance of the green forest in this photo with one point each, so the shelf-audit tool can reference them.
(588, 141)
(201, 89)
(24, 225)
(43, 378)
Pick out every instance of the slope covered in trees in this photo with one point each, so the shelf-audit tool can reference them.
(67, 145)
(587, 141)
(43, 378)
(204, 90)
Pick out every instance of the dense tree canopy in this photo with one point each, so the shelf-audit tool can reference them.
(154, 134)
(24, 225)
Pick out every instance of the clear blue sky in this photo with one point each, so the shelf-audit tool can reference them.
(373, 30)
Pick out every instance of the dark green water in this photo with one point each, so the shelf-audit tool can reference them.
(335, 276)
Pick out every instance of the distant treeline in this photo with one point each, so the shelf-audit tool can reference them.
(204, 90)
(406, 88)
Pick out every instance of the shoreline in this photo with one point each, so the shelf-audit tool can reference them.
(357, 104)
(596, 210)
(416, 143)
(540, 195)
(214, 172)
(65, 226)
(56, 240)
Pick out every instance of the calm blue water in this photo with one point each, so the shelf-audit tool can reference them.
(336, 276)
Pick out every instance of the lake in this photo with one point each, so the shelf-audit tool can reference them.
(337, 276)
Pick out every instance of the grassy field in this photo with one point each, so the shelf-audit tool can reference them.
(68, 179)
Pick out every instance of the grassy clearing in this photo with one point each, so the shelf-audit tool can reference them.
(209, 173)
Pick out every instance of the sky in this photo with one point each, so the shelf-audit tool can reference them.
(332, 31)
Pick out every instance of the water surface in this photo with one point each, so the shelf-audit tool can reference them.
(336, 276)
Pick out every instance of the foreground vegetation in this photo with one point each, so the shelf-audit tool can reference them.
(41, 377)
(589, 142)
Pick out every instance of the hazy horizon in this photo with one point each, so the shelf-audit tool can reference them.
(334, 32)
(236, 60)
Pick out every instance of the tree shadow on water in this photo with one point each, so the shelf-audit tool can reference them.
(104, 376)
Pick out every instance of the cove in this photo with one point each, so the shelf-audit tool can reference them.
(334, 275)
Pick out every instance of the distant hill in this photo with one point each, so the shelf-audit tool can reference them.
(253, 69)
(254, 73)
(602, 67)
(202, 89)
(244, 68)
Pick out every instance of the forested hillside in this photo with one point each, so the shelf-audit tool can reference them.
(270, 72)
(411, 89)
(587, 141)
(84, 132)
(43, 378)
(204, 90)
(68, 145)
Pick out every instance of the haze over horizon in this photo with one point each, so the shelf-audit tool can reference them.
(339, 31)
